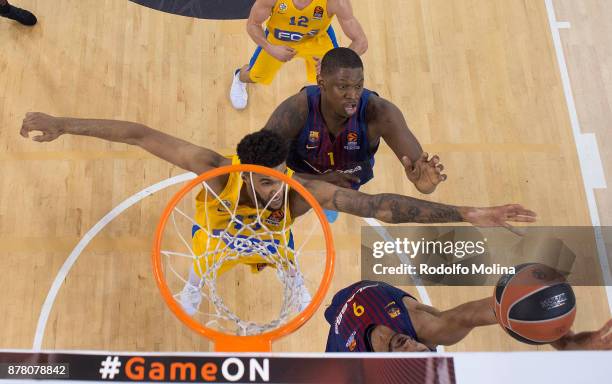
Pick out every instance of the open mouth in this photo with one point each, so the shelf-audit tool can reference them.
(350, 108)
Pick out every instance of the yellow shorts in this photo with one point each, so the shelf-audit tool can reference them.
(200, 245)
(263, 67)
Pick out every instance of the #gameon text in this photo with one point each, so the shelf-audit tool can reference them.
(232, 369)
(413, 248)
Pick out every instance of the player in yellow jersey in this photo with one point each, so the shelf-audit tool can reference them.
(295, 28)
(267, 149)
(214, 212)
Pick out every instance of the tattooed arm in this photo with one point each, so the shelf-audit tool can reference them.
(392, 208)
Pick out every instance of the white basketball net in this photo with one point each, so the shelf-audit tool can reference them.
(260, 240)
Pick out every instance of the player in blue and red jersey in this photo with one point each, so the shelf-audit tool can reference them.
(335, 128)
(372, 316)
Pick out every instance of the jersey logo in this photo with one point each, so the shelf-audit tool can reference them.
(281, 35)
(275, 217)
(351, 343)
(392, 310)
(318, 13)
(352, 144)
(282, 8)
(313, 140)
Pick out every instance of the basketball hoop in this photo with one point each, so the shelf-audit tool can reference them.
(245, 336)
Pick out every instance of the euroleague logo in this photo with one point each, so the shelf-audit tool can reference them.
(318, 13)
(352, 142)
(351, 343)
(275, 217)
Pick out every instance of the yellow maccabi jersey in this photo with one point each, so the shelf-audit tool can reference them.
(290, 25)
(245, 236)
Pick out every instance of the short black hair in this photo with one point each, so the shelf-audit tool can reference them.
(339, 58)
(265, 148)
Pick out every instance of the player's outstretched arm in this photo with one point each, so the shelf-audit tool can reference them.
(435, 327)
(176, 151)
(392, 208)
(388, 121)
(449, 327)
(350, 25)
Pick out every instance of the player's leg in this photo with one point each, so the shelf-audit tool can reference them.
(191, 296)
(261, 69)
(21, 15)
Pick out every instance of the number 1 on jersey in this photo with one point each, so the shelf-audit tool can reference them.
(331, 158)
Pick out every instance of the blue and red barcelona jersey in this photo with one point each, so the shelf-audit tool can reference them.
(317, 151)
(357, 307)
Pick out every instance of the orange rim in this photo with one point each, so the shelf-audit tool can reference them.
(230, 343)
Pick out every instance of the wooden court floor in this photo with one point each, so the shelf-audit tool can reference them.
(476, 79)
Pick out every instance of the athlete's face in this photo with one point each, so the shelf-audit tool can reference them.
(384, 339)
(267, 189)
(341, 90)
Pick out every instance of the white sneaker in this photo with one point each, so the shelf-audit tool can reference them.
(190, 299)
(238, 93)
(303, 297)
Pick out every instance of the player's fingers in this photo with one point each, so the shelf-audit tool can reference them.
(442, 178)
(526, 212)
(440, 167)
(424, 156)
(518, 209)
(522, 219)
(351, 178)
(40, 138)
(435, 160)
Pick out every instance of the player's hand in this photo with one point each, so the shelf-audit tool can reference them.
(498, 216)
(425, 173)
(344, 180)
(593, 341)
(282, 52)
(49, 126)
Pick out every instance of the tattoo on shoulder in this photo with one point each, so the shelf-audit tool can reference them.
(393, 208)
(289, 118)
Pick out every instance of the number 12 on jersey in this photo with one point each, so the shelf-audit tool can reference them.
(302, 21)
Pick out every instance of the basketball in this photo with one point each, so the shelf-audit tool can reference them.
(535, 305)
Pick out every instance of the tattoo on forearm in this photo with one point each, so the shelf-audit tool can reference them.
(393, 208)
